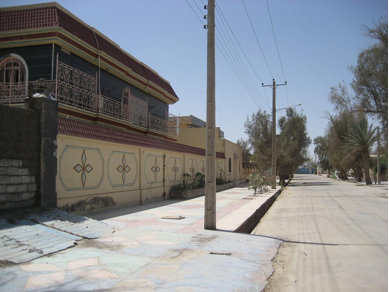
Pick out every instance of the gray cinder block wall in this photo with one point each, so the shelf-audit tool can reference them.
(28, 145)
(17, 186)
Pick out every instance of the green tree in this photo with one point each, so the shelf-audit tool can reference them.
(321, 150)
(292, 143)
(371, 74)
(359, 139)
(246, 155)
(259, 134)
(369, 89)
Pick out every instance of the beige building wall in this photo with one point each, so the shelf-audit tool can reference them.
(231, 170)
(196, 137)
(233, 153)
(95, 174)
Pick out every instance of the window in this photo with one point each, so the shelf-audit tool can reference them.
(13, 78)
(229, 164)
(126, 96)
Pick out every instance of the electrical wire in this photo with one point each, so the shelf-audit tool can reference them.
(278, 51)
(228, 59)
(194, 12)
(218, 8)
(238, 59)
(256, 37)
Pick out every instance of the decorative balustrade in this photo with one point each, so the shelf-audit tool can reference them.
(13, 92)
(173, 125)
(157, 123)
(76, 88)
(114, 108)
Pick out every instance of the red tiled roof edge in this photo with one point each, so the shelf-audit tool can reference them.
(52, 16)
(81, 129)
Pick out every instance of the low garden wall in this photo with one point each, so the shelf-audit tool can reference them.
(190, 194)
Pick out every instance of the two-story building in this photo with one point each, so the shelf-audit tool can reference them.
(117, 142)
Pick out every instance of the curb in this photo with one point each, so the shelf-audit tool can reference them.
(250, 223)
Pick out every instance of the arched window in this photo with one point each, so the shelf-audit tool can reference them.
(13, 79)
(126, 96)
(126, 103)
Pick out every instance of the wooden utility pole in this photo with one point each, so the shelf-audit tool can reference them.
(273, 141)
(210, 164)
(378, 157)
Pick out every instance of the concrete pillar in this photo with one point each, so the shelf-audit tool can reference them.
(210, 175)
(48, 131)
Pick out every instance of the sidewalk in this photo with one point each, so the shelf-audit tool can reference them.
(154, 248)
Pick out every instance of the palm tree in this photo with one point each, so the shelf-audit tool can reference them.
(359, 139)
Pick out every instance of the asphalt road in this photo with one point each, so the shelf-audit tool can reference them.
(335, 236)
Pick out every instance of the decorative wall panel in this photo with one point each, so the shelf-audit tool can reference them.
(192, 167)
(81, 168)
(174, 169)
(153, 169)
(122, 169)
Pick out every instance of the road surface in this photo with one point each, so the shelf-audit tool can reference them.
(335, 236)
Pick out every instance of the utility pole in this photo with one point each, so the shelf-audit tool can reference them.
(210, 164)
(273, 144)
(378, 157)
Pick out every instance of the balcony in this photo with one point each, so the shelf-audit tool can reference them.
(78, 89)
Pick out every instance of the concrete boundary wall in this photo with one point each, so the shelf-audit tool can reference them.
(95, 174)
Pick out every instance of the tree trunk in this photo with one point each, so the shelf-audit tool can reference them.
(366, 166)
(358, 174)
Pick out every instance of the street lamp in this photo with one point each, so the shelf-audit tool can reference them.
(293, 106)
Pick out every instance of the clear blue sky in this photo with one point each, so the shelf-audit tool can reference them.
(317, 41)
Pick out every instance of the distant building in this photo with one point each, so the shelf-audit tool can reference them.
(193, 133)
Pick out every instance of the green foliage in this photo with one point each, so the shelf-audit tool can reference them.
(292, 143)
(371, 74)
(259, 181)
(359, 140)
(321, 150)
(259, 134)
(370, 85)
(383, 165)
(336, 133)
(246, 155)
(199, 181)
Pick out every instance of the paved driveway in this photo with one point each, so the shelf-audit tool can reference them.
(335, 236)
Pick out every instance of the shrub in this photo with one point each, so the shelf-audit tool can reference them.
(259, 181)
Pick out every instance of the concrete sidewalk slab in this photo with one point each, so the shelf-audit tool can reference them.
(25, 241)
(148, 253)
(71, 223)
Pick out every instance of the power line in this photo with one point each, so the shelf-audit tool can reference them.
(195, 12)
(201, 12)
(238, 73)
(256, 37)
(233, 34)
(255, 101)
(278, 51)
(243, 72)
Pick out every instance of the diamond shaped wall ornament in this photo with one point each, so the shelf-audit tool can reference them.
(175, 169)
(155, 169)
(123, 169)
(192, 170)
(83, 168)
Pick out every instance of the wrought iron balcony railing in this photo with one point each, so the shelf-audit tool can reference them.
(78, 89)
